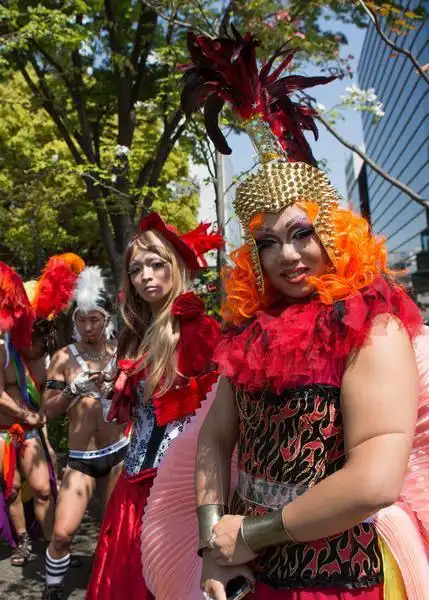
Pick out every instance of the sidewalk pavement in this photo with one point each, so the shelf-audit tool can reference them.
(27, 583)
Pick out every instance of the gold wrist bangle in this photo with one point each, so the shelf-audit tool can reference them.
(265, 530)
(208, 515)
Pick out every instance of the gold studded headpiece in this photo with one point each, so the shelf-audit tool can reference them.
(226, 70)
(278, 184)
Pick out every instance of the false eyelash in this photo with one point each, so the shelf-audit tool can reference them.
(261, 244)
(303, 233)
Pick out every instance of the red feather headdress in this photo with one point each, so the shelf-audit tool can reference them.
(16, 314)
(191, 246)
(56, 285)
(226, 70)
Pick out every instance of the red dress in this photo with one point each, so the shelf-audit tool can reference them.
(286, 368)
(117, 569)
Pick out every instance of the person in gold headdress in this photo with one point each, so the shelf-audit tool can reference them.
(319, 388)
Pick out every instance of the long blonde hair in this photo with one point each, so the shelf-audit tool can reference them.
(145, 336)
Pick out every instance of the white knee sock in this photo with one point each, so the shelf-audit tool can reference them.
(56, 568)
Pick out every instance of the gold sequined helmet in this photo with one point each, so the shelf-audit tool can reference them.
(226, 70)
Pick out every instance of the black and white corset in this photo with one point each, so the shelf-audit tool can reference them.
(149, 442)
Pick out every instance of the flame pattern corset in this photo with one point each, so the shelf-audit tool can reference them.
(295, 440)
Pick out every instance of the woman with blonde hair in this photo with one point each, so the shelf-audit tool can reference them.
(164, 351)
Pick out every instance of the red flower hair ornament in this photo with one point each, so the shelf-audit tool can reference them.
(191, 246)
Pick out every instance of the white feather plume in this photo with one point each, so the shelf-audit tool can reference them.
(90, 290)
(90, 287)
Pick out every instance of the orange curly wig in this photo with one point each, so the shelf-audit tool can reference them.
(362, 257)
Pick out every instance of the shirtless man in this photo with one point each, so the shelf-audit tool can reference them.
(31, 456)
(79, 380)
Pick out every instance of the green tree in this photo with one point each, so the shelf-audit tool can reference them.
(106, 75)
(44, 208)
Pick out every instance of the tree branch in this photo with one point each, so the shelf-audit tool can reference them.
(243, 174)
(149, 173)
(94, 193)
(135, 53)
(164, 148)
(204, 16)
(211, 167)
(54, 63)
(224, 22)
(50, 109)
(402, 186)
(123, 81)
(106, 186)
(147, 25)
(168, 42)
(178, 133)
(78, 95)
(175, 21)
(206, 151)
(392, 44)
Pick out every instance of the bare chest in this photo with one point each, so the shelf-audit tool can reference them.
(37, 369)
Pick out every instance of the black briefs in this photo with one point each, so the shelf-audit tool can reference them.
(99, 466)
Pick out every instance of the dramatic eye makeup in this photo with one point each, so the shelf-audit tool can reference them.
(297, 229)
(265, 238)
(154, 263)
(265, 242)
(158, 264)
(134, 268)
(302, 230)
(300, 223)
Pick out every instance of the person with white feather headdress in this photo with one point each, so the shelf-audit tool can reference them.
(91, 295)
(80, 379)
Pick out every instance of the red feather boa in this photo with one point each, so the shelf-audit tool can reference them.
(16, 314)
(308, 343)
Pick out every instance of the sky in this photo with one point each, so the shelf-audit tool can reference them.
(327, 147)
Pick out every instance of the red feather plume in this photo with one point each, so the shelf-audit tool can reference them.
(56, 285)
(201, 241)
(16, 314)
(226, 70)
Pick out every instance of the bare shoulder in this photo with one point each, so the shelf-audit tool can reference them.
(112, 347)
(388, 325)
(380, 387)
(59, 360)
(388, 340)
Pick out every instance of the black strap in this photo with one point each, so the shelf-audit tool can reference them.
(156, 437)
(55, 384)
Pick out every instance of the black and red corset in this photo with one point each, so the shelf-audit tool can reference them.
(288, 443)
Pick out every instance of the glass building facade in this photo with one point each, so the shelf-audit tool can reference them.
(399, 143)
(357, 186)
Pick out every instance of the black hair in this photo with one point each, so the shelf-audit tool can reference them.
(46, 331)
